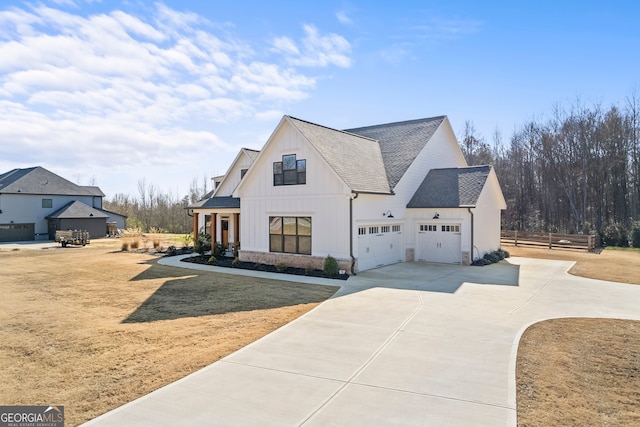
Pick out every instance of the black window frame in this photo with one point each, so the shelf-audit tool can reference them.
(281, 238)
(290, 171)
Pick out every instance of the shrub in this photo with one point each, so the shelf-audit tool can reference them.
(135, 243)
(505, 253)
(481, 262)
(156, 243)
(218, 250)
(203, 243)
(281, 267)
(330, 266)
(624, 237)
(491, 257)
(171, 250)
(236, 249)
(125, 246)
(635, 235)
(235, 261)
(212, 260)
(615, 235)
(187, 239)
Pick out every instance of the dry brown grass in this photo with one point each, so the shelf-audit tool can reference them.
(575, 372)
(579, 372)
(92, 328)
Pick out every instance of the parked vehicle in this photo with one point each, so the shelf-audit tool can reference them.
(72, 237)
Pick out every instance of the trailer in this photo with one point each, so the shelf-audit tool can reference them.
(72, 237)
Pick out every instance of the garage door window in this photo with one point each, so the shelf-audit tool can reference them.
(290, 234)
(450, 228)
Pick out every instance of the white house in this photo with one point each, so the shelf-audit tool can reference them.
(35, 202)
(371, 196)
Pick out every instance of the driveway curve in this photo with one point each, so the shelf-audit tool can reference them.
(411, 344)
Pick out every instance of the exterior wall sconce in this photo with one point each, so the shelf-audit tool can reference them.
(436, 216)
(388, 214)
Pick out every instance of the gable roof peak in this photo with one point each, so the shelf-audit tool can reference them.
(401, 142)
(345, 153)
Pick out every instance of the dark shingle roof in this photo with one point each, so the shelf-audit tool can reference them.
(400, 143)
(38, 180)
(356, 159)
(438, 190)
(217, 202)
(77, 210)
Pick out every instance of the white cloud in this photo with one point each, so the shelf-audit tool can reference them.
(316, 51)
(76, 88)
(342, 17)
(286, 46)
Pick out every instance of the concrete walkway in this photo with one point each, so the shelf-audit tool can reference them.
(406, 345)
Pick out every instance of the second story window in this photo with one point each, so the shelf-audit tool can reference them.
(290, 171)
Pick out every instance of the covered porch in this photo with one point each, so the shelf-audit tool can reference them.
(220, 218)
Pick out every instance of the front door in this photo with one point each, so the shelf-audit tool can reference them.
(224, 224)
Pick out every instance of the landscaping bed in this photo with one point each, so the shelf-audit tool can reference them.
(229, 262)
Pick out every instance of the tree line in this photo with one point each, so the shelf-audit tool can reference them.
(576, 172)
(153, 210)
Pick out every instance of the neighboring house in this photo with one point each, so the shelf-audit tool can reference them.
(35, 202)
(370, 196)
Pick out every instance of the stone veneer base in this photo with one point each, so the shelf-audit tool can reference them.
(293, 260)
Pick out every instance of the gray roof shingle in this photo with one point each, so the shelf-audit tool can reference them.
(356, 159)
(400, 143)
(221, 202)
(38, 180)
(438, 190)
(76, 210)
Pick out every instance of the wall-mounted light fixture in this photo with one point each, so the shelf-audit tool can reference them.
(388, 214)
(436, 216)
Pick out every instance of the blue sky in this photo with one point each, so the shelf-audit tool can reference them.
(111, 93)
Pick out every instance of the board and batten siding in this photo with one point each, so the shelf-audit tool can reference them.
(324, 197)
(232, 177)
(487, 218)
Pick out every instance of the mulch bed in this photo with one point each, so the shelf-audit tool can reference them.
(228, 263)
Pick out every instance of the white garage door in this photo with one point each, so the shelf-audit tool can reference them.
(439, 243)
(379, 245)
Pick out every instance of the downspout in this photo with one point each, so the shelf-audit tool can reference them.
(353, 259)
(472, 221)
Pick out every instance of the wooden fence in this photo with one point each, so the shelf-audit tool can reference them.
(586, 242)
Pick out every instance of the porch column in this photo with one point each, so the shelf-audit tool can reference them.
(236, 228)
(195, 226)
(214, 223)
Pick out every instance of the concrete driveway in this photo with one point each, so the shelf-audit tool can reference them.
(406, 345)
